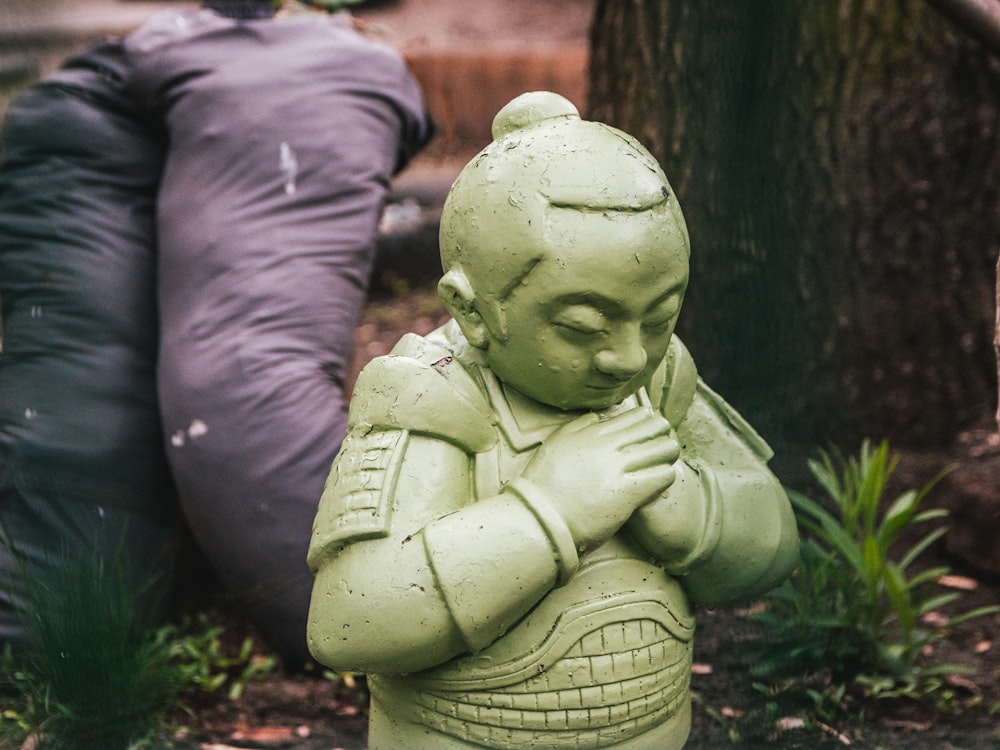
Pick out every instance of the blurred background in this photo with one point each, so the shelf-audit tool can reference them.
(837, 163)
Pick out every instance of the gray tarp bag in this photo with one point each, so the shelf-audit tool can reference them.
(283, 137)
(84, 482)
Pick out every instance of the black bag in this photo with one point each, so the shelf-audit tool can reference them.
(83, 476)
(280, 137)
(283, 137)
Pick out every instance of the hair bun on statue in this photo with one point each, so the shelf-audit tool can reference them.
(529, 109)
(544, 161)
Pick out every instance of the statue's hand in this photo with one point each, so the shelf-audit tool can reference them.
(595, 472)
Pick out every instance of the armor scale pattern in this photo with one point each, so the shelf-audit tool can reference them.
(614, 684)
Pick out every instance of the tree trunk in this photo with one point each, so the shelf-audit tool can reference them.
(838, 165)
(996, 336)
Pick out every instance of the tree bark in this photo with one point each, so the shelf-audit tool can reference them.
(996, 335)
(838, 165)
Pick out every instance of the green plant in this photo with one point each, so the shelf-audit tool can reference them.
(178, 661)
(93, 674)
(720, 717)
(854, 607)
(205, 662)
(97, 670)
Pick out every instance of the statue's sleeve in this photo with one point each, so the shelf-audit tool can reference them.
(725, 527)
(411, 567)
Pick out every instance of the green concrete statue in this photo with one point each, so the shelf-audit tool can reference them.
(531, 500)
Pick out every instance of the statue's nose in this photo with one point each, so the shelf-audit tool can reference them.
(624, 358)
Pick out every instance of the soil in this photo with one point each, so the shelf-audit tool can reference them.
(309, 712)
(312, 712)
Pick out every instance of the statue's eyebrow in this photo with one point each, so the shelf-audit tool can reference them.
(590, 299)
(672, 291)
(609, 306)
(517, 279)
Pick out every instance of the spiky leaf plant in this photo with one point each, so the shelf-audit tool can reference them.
(96, 673)
(856, 604)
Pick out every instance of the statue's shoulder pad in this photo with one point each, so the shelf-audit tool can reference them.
(674, 383)
(676, 387)
(420, 387)
(736, 422)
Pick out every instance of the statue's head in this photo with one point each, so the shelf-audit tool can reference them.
(565, 256)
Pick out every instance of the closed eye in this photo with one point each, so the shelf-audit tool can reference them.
(657, 325)
(580, 319)
(579, 328)
(663, 313)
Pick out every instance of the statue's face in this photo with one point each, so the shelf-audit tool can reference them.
(593, 319)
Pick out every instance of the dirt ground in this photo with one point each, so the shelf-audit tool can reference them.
(312, 713)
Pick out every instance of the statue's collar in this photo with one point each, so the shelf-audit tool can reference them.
(526, 423)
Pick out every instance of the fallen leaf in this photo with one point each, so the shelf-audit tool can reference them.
(730, 713)
(914, 726)
(698, 668)
(956, 680)
(843, 739)
(959, 582)
(935, 619)
(264, 735)
(787, 723)
(983, 646)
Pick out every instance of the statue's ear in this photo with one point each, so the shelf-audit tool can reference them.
(460, 300)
